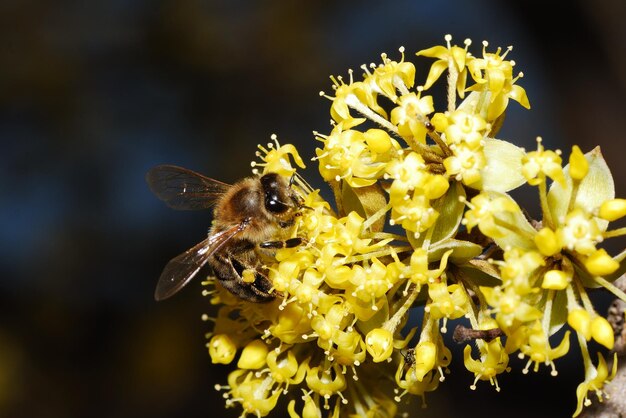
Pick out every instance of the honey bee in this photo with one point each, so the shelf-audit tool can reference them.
(247, 218)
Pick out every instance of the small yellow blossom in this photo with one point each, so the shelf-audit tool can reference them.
(391, 75)
(466, 164)
(580, 232)
(410, 114)
(493, 361)
(537, 348)
(484, 211)
(254, 394)
(276, 159)
(495, 74)
(447, 301)
(325, 382)
(284, 367)
(446, 57)
(466, 128)
(595, 379)
(537, 165)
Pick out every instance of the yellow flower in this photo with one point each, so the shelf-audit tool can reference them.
(466, 164)
(400, 235)
(391, 74)
(494, 360)
(509, 306)
(284, 367)
(447, 56)
(537, 348)
(484, 211)
(323, 383)
(410, 114)
(466, 128)
(276, 159)
(580, 232)
(256, 395)
(348, 96)
(346, 155)
(448, 301)
(536, 165)
(595, 379)
(495, 74)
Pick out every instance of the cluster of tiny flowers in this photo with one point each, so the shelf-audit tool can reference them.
(421, 219)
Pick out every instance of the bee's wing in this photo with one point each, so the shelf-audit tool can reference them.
(181, 269)
(181, 188)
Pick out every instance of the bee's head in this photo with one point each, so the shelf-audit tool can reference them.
(277, 194)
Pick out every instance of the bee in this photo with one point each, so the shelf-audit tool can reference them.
(248, 216)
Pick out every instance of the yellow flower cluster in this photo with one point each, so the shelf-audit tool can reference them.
(421, 221)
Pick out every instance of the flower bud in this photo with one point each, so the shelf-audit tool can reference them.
(547, 242)
(377, 140)
(613, 209)
(555, 280)
(222, 349)
(602, 332)
(580, 321)
(253, 355)
(600, 263)
(425, 357)
(440, 122)
(578, 164)
(379, 343)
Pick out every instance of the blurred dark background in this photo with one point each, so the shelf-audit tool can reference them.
(92, 94)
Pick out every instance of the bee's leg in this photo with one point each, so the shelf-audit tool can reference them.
(290, 243)
(229, 272)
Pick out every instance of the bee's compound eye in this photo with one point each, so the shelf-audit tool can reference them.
(274, 192)
(274, 205)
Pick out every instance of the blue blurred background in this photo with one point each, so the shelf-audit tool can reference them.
(92, 94)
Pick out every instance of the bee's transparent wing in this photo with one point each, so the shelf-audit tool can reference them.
(184, 189)
(181, 269)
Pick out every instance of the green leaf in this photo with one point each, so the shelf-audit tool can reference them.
(461, 250)
(595, 188)
(503, 171)
(481, 273)
(559, 312)
(523, 237)
(365, 201)
(477, 102)
(450, 210)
